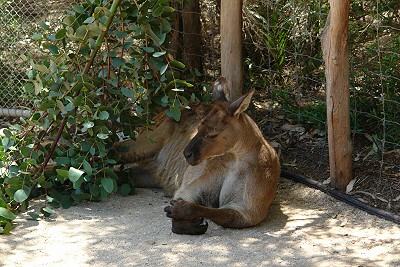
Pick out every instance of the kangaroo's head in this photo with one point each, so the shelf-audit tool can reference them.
(220, 128)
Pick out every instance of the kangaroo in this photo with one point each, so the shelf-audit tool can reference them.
(221, 166)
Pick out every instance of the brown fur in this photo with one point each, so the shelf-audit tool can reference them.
(232, 174)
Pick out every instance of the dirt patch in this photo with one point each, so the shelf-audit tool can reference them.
(305, 228)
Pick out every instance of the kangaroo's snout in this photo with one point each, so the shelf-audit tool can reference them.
(192, 151)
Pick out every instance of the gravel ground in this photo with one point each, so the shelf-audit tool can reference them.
(305, 228)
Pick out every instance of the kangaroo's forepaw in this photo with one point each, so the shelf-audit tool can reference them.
(180, 210)
(185, 221)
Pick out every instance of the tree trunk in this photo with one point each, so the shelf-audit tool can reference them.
(192, 39)
(335, 51)
(175, 44)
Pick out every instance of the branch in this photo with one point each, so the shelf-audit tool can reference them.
(99, 42)
(100, 38)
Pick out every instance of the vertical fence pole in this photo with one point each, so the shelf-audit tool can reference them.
(335, 50)
(231, 45)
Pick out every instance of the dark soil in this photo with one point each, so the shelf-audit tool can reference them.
(304, 150)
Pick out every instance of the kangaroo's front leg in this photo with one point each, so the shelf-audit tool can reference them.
(226, 217)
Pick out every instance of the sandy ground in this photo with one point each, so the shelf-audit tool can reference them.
(305, 228)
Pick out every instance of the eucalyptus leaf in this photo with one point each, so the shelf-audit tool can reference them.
(89, 20)
(22, 194)
(127, 92)
(174, 113)
(163, 69)
(6, 214)
(148, 49)
(37, 36)
(159, 54)
(62, 174)
(61, 34)
(118, 62)
(87, 167)
(88, 124)
(108, 184)
(102, 136)
(34, 215)
(47, 211)
(74, 174)
(103, 115)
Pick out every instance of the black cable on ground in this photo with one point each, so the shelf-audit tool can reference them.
(342, 197)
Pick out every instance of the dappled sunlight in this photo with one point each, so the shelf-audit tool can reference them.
(304, 228)
(53, 242)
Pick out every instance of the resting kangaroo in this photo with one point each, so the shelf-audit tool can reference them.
(216, 163)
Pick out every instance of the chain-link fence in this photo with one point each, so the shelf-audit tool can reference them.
(284, 62)
(19, 20)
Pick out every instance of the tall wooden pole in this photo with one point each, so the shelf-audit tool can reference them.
(335, 50)
(231, 45)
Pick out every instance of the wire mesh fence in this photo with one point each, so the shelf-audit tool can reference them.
(19, 20)
(284, 58)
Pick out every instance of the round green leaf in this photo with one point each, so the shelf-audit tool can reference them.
(127, 92)
(5, 141)
(34, 215)
(87, 167)
(102, 136)
(174, 113)
(61, 34)
(22, 194)
(62, 175)
(88, 124)
(117, 62)
(108, 184)
(74, 174)
(37, 37)
(104, 115)
(47, 211)
(148, 49)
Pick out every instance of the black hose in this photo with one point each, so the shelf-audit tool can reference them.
(342, 197)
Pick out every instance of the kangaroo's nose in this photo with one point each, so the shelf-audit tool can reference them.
(188, 154)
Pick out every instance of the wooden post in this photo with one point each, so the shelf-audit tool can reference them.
(335, 51)
(231, 45)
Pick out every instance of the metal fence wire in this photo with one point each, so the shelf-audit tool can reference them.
(19, 20)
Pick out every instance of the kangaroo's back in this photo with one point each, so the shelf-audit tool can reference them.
(159, 149)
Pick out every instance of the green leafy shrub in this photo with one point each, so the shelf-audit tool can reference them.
(85, 101)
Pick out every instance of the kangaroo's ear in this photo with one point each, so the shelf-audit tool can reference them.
(241, 104)
(220, 87)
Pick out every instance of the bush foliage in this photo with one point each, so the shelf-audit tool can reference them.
(85, 103)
